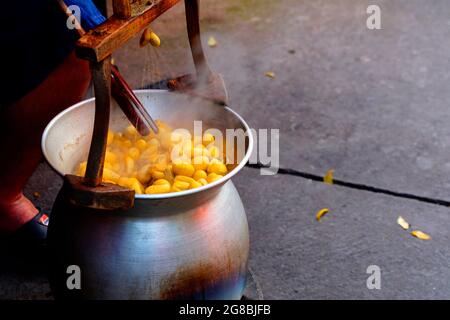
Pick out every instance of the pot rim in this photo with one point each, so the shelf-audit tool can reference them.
(212, 185)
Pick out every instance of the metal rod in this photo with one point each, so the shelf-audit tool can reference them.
(137, 103)
(193, 27)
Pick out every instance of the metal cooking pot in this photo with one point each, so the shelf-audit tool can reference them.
(187, 245)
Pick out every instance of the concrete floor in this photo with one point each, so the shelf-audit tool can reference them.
(372, 105)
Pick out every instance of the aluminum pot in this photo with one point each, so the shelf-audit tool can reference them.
(187, 245)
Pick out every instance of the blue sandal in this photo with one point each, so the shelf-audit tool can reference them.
(34, 231)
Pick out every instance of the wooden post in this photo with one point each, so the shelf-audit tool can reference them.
(122, 9)
(101, 76)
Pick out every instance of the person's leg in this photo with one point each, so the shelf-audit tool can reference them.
(22, 125)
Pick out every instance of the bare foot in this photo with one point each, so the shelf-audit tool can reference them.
(16, 213)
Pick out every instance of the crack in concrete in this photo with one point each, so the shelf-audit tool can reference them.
(357, 186)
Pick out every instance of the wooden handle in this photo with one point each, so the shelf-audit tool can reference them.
(193, 27)
(101, 76)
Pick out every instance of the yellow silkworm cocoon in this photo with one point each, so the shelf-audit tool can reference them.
(214, 152)
(108, 165)
(207, 139)
(131, 132)
(161, 182)
(199, 150)
(158, 189)
(164, 140)
(157, 174)
(129, 165)
(82, 168)
(160, 163)
(126, 144)
(144, 174)
(181, 185)
(183, 169)
(154, 40)
(195, 184)
(153, 149)
(159, 186)
(148, 153)
(116, 167)
(134, 153)
(148, 36)
(110, 175)
(131, 183)
(162, 125)
(200, 162)
(141, 144)
(184, 179)
(200, 174)
(110, 157)
(213, 177)
(217, 167)
(168, 174)
(154, 142)
(110, 138)
(153, 158)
